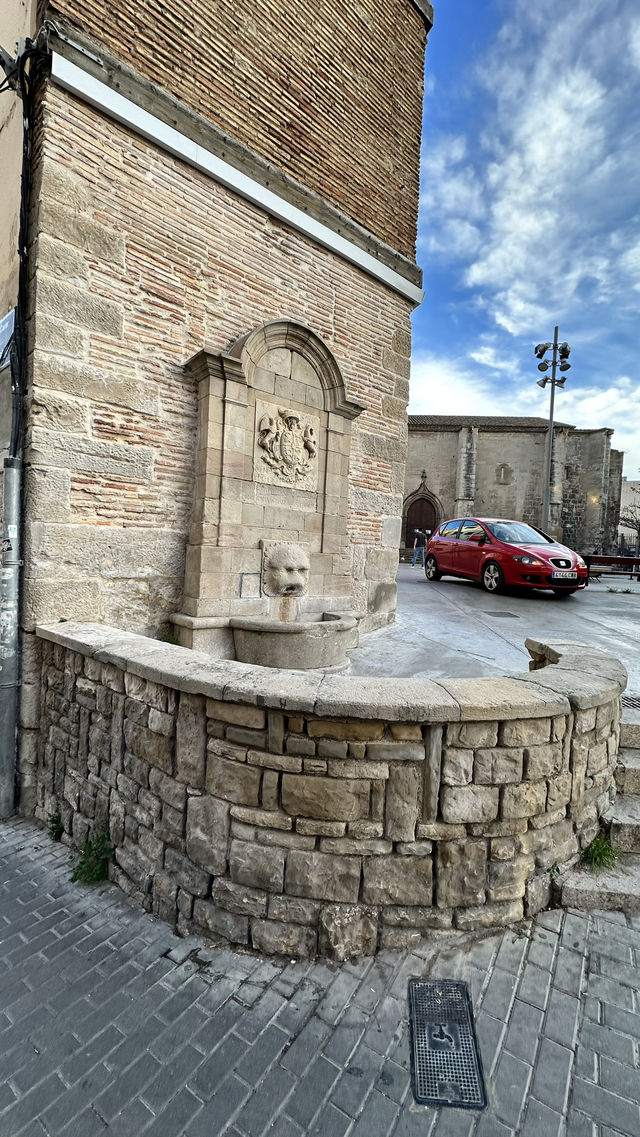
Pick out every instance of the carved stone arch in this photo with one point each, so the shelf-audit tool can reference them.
(249, 350)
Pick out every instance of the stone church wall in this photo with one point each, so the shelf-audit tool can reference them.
(439, 457)
(508, 471)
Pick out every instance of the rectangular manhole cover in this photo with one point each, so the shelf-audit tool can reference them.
(446, 1066)
(503, 615)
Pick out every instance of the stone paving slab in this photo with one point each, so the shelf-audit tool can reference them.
(109, 1024)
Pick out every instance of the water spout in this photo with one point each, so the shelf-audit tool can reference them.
(286, 608)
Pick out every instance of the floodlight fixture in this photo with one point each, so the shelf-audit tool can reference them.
(559, 356)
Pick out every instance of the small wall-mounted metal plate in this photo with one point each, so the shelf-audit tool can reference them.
(446, 1067)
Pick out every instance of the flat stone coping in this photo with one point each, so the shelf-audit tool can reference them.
(567, 676)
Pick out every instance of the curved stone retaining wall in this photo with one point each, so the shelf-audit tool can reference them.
(302, 813)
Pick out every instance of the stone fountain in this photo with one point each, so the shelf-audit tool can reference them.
(270, 568)
(284, 639)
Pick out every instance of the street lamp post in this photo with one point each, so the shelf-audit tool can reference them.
(559, 356)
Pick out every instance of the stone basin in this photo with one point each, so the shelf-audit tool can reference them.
(319, 642)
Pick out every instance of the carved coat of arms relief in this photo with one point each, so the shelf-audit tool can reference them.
(286, 447)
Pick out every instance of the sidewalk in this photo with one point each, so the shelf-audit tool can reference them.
(110, 1024)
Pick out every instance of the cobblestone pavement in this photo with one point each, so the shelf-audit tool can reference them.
(110, 1024)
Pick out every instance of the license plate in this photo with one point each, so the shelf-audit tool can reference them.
(564, 575)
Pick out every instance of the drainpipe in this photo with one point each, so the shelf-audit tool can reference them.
(9, 648)
(20, 76)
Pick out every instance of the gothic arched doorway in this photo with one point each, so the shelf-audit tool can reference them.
(421, 514)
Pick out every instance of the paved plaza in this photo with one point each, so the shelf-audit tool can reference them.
(110, 1024)
(454, 628)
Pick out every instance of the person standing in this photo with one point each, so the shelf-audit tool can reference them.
(418, 546)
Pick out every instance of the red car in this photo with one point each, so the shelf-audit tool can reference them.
(503, 553)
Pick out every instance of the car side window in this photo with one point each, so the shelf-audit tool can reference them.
(450, 529)
(471, 529)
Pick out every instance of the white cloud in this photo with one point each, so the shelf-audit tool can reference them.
(630, 263)
(452, 194)
(540, 209)
(634, 43)
(442, 386)
(488, 357)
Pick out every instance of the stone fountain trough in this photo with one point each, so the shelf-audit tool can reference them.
(319, 642)
(284, 639)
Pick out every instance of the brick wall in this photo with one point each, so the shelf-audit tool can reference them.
(331, 95)
(139, 262)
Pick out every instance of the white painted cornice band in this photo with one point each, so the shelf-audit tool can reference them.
(123, 110)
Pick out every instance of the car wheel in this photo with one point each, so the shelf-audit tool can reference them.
(492, 577)
(562, 593)
(431, 570)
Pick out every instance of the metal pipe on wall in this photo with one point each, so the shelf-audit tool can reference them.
(9, 645)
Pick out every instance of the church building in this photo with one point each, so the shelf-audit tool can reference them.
(466, 465)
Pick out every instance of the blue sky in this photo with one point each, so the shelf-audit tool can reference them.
(530, 211)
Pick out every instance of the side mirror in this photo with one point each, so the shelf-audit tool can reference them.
(478, 538)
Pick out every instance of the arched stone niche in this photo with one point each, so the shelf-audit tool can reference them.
(272, 464)
(504, 474)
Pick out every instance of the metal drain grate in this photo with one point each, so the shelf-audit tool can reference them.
(631, 701)
(446, 1066)
(502, 615)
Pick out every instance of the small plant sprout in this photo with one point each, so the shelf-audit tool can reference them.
(94, 861)
(599, 854)
(55, 827)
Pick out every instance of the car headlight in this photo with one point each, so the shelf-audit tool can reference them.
(580, 563)
(525, 560)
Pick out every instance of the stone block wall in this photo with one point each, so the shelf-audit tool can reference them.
(494, 468)
(302, 813)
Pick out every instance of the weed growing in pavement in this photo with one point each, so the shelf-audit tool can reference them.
(94, 861)
(522, 934)
(627, 591)
(55, 827)
(599, 854)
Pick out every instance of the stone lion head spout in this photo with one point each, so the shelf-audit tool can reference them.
(285, 570)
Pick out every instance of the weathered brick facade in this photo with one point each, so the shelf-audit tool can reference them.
(125, 295)
(141, 261)
(332, 95)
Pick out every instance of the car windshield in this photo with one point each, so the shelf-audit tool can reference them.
(517, 533)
